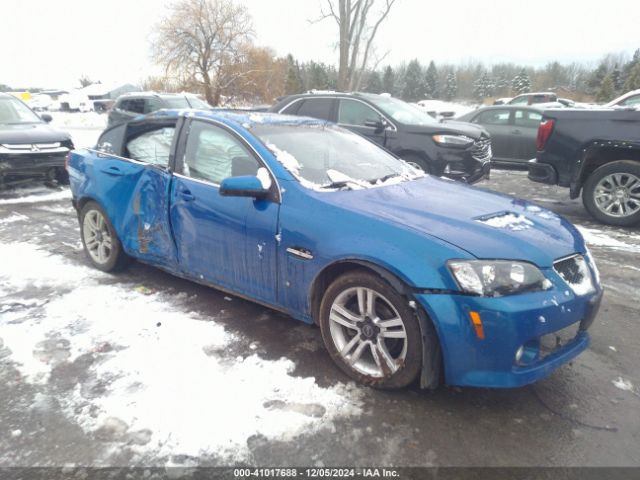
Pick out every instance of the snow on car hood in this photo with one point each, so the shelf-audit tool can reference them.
(485, 224)
(27, 133)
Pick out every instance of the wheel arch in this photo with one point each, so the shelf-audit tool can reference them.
(432, 368)
(600, 153)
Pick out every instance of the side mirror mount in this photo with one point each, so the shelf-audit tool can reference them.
(379, 124)
(243, 186)
(46, 117)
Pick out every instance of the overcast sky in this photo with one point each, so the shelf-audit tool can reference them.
(51, 43)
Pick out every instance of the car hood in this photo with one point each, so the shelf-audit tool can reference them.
(485, 224)
(453, 127)
(31, 133)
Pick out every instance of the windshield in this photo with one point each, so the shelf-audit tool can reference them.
(177, 102)
(13, 111)
(325, 157)
(402, 111)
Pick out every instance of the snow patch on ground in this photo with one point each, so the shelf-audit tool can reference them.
(509, 221)
(15, 217)
(159, 378)
(623, 384)
(599, 238)
(37, 198)
(67, 120)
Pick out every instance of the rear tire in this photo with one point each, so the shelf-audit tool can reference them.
(370, 331)
(101, 244)
(611, 194)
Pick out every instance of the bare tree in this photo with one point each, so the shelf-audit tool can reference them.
(85, 81)
(205, 41)
(358, 22)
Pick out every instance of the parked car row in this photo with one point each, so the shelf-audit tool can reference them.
(456, 150)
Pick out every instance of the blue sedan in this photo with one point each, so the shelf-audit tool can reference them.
(410, 277)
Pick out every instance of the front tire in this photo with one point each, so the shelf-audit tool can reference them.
(370, 331)
(101, 244)
(416, 161)
(611, 194)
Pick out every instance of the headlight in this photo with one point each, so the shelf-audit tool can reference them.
(452, 140)
(493, 278)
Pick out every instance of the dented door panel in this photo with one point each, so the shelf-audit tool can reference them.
(135, 197)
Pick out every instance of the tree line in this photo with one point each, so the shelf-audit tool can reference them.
(209, 47)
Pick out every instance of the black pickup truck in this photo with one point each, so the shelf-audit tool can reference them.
(596, 152)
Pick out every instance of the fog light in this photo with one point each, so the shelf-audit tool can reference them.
(519, 354)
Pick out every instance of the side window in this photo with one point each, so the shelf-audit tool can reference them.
(527, 118)
(135, 105)
(293, 108)
(152, 104)
(352, 112)
(152, 147)
(123, 104)
(631, 101)
(316, 108)
(213, 154)
(493, 117)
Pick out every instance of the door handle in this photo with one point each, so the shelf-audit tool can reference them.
(187, 196)
(516, 132)
(115, 171)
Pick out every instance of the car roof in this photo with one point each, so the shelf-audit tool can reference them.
(536, 106)
(152, 94)
(534, 93)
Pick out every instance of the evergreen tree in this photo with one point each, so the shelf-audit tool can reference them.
(484, 86)
(414, 87)
(626, 71)
(388, 81)
(502, 86)
(431, 81)
(451, 87)
(317, 76)
(597, 77)
(633, 80)
(521, 83)
(616, 77)
(374, 83)
(293, 80)
(607, 90)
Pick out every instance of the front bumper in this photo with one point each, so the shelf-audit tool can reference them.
(15, 168)
(509, 322)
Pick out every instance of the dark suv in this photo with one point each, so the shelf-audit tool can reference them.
(457, 150)
(29, 148)
(131, 105)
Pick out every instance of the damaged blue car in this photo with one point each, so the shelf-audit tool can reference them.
(410, 277)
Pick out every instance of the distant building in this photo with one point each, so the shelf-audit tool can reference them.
(105, 91)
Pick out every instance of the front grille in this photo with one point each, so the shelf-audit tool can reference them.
(575, 272)
(481, 149)
(553, 342)
(32, 148)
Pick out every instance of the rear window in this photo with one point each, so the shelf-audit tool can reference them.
(316, 108)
